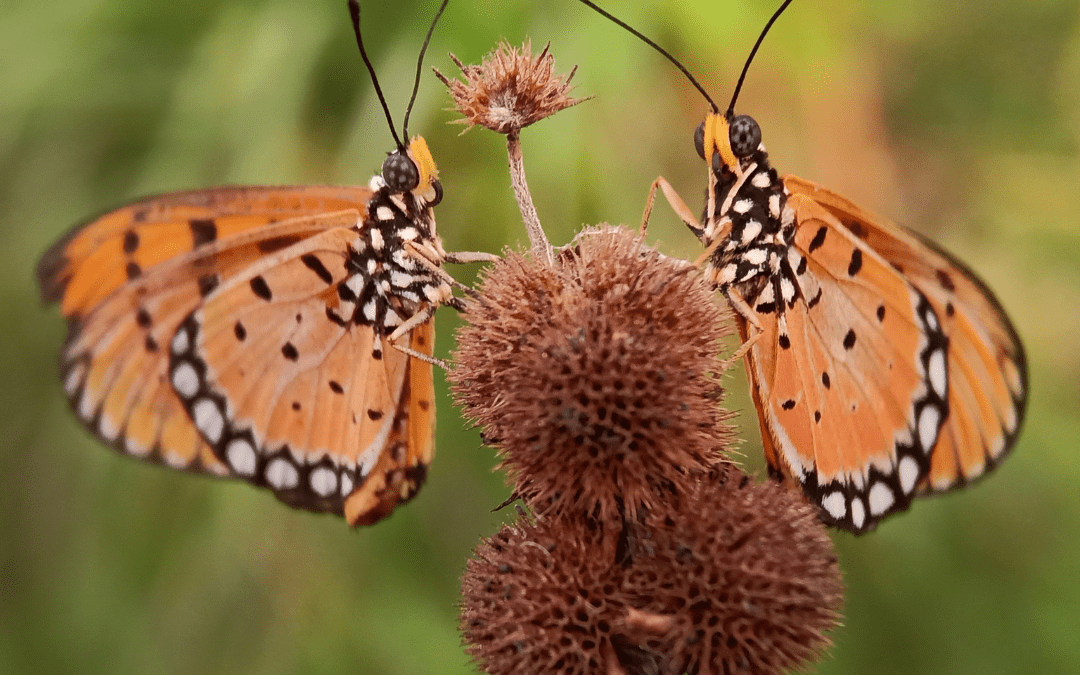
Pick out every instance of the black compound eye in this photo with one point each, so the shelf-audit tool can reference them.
(438, 193)
(400, 173)
(744, 135)
(699, 140)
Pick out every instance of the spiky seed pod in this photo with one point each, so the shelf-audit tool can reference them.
(594, 375)
(541, 598)
(744, 573)
(510, 89)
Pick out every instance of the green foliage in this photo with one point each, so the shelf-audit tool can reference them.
(960, 118)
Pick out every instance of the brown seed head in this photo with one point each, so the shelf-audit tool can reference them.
(541, 598)
(595, 376)
(510, 89)
(744, 572)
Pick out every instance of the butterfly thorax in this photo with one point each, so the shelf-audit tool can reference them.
(754, 224)
(391, 264)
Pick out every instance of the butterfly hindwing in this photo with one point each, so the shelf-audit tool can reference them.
(987, 367)
(849, 374)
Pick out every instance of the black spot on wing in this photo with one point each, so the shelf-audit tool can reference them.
(207, 284)
(288, 350)
(203, 231)
(856, 228)
(785, 341)
(131, 241)
(849, 339)
(335, 387)
(374, 415)
(240, 331)
(260, 288)
(150, 344)
(881, 313)
(788, 404)
(814, 300)
(275, 244)
(819, 239)
(133, 270)
(826, 381)
(142, 318)
(856, 263)
(945, 280)
(312, 262)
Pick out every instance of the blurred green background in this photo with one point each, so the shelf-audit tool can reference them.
(961, 119)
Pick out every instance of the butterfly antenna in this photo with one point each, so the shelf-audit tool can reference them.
(655, 46)
(746, 66)
(354, 12)
(419, 65)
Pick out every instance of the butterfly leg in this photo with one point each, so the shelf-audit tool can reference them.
(754, 328)
(406, 328)
(424, 259)
(677, 205)
(465, 257)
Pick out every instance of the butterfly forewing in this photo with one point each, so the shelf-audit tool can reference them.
(987, 370)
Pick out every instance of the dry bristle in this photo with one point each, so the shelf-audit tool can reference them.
(744, 572)
(510, 89)
(541, 599)
(595, 376)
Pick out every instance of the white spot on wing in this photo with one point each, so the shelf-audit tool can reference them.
(928, 426)
(742, 206)
(881, 498)
(323, 481)
(74, 379)
(107, 427)
(185, 380)
(938, 374)
(180, 342)
(208, 419)
(282, 475)
(383, 213)
(376, 239)
(834, 503)
(909, 473)
(346, 484)
(241, 457)
(858, 513)
(761, 180)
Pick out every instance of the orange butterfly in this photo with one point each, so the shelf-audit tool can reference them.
(881, 367)
(252, 331)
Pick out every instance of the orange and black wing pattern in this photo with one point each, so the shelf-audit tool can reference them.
(880, 366)
(249, 332)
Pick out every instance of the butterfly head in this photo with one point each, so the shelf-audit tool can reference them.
(413, 169)
(731, 141)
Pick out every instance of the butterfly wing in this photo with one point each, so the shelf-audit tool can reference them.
(126, 280)
(849, 373)
(987, 374)
(297, 396)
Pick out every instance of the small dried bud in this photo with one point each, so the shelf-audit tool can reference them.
(510, 89)
(594, 375)
(745, 574)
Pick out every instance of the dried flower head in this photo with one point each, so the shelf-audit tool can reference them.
(595, 375)
(541, 598)
(736, 577)
(744, 573)
(510, 89)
